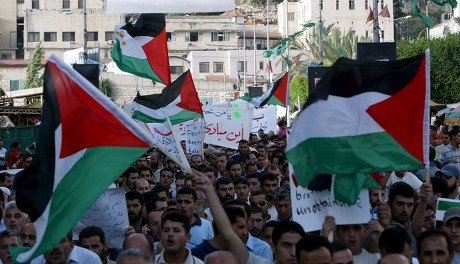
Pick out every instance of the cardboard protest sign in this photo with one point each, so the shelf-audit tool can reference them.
(443, 205)
(265, 119)
(110, 213)
(227, 126)
(193, 133)
(310, 208)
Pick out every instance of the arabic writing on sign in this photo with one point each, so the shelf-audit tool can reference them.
(216, 129)
(265, 119)
(109, 213)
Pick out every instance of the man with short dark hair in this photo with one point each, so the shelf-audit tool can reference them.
(175, 233)
(200, 229)
(241, 188)
(285, 236)
(130, 176)
(93, 238)
(221, 165)
(434, 246)
(196, 161)
(451, 173)
(282, 202)
(451, 225)
(313, 249)
(254, 182)
(135, 205)
(269, 183)
(259, 199)
(225, 189)
(7, 240)
(256, 221)
(5, 180)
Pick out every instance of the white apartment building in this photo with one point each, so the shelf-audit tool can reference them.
(344, 14)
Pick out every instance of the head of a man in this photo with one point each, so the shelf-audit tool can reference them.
(314, 249)
(154, 223)
(175, 231)
(196, 161)
(130, 176)
(221, 257)
(5, 180)
(166, 176)
(238, 220)
(259, 199)
(256, 221)
(187, 201)
(434, 246)
(401, 202)
(282, 202)
(8, 239)
(451, 225)
(13, 217)
(341, 254)
(285, 236)
(234, 168)
(28, 235)
(141, 185)
(395, 240)
(93, 238)
(243, 147)
(141, 242)
(269, 183)
(225, 189)
(60, 253)
(241, 188)
(221, 161)
(254, 182)
(450, 173)
(211, 173)
(352, 236)
(133, 255)
(134, 203)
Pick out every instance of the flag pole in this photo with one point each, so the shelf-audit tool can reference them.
(183, 164)
(288, 122)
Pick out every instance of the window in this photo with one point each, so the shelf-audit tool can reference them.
(50, 36)
(93, 36)
(204, 67)
(383, 35)
(168, 36)
(337, 4)
(80, 4)
(367, 34)
(68, 36)
(34, 36)
(19, 1)
(176, 69)
(192, 37)
(291, 16)
(35, 4)
(366, 4)
(351, 4)
(321, 4)
(261, 65)
(381, 4)
(65, 4)
(6, 56)
(240, 67)
(109, 35)
(218, 67)
(220, 36)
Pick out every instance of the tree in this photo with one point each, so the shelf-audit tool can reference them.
(34, 78)
(298, 88)
(105, 88)
(445, 65)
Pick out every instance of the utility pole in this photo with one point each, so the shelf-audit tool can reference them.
(375, 24)
(320, 34)
(85, 35)
(255, 49)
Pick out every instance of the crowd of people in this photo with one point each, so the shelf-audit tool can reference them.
(235, 207)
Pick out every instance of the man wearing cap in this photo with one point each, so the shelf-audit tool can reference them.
(451, 173)
(451, 225)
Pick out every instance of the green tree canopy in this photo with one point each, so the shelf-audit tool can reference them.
(34, 78)
(445, 64)
(298, 89)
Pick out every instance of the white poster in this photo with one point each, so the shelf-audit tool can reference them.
(227, 126)
(310, 208)
(265, 119)
(110, 213)
(193, 133)
(166, 141)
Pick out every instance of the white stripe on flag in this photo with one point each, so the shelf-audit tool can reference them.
(348, 116)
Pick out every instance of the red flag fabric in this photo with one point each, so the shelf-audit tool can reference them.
(385, 12)
(370, 17)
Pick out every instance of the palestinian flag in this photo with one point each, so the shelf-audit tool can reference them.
(141, 49)
(179, 101)
(81, 132)
(276, 95)
(363, 117)
(443, 205)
